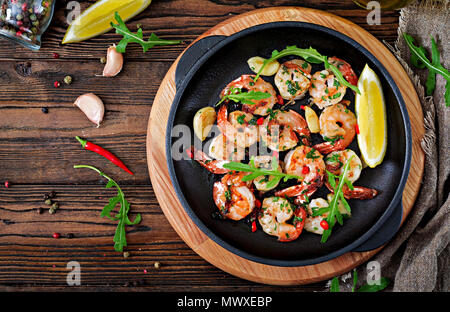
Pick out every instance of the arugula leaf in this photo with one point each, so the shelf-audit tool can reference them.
(383, 283)
(236, 95)
(334, 214)
(256, 172)
(310, 55)
(420, 60)
(335, 285)
(355, 280)
(138, 37)
(119, 239)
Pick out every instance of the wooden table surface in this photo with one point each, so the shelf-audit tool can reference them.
(38, 151)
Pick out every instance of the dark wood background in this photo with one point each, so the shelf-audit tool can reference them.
(38, 151)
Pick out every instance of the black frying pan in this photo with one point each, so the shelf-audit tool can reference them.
(207, 67)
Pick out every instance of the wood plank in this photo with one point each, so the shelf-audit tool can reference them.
(30, 256)
(183, 20)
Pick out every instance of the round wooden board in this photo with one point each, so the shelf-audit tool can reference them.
(186, 228)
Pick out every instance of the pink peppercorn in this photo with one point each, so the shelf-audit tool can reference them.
(7, 184)
(56, 84)
(56, 235)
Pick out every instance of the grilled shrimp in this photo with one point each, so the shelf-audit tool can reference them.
(336, 160)
(246, 83)
(236, 127)
(293, 79)
(233, 197)
(325, 89)
(312, 223)
(214, 166)
(276, 211)
(345, 69)
(282, 130)
(261, 181)
(337, 127)
(307, 163)
(334, 163)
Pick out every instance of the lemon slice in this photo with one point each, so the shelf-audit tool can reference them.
(96, 19)
(371, 118)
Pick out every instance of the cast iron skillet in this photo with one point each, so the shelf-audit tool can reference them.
(207, 67)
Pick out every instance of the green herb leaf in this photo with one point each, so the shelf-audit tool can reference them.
(355, 280)
(236, 95)
(119, 239)
(335, 285)
(420, 60)
(334, 214)
(256, 172)
(383, 283)
(138, 37)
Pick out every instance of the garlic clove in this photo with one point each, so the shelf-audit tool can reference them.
(92, 106)
(114, 62)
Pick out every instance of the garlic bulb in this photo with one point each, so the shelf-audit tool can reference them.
(92, 106)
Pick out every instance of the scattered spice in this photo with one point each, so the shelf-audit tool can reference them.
(53, 208)
(68, 80)
(56, 84)
(157, 265)
(48, 202)
(44, 110)
(101, 151)
(56, 235)
(103, 59)
(55, 55)
(7, 184)
(126, 254)
(40, 210)
(70, 235)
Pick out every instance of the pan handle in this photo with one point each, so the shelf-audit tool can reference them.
(193, 54)
(386, 232)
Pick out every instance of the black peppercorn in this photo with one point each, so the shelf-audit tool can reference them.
(45, 110)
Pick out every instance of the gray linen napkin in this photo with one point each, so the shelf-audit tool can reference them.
(418, 257)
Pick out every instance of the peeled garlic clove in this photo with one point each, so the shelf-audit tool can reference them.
(92, 106)
(256, 62)
(114, 62)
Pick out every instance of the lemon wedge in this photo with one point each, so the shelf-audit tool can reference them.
(371, 118)
(96, 19)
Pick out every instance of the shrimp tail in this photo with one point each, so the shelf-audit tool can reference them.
(214, 166)
(358, 192)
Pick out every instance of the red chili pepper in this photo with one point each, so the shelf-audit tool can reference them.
(324, 224)
(280, 100)
(101, 151)
(357, 129)
(305, 170)
(260, 121)
(254, 226)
